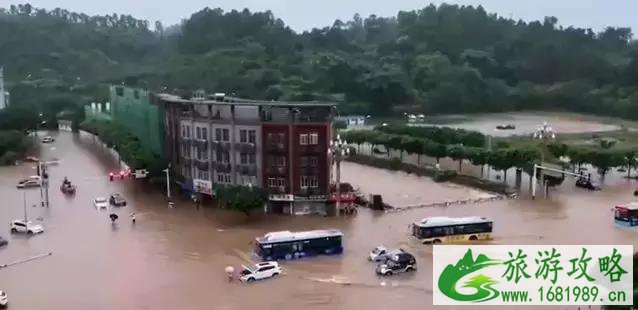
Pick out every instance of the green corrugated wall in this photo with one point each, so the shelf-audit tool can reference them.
(132, 108)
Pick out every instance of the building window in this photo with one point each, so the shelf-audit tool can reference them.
(222, 156)
(281, 182)
(314, 161)
(314, 139)
(204, 133)
(309, 161)
(247, 158)
(226, 134)
(119, 91)
(183, 131)
(223, 178)
(272, 182)
(188, 131)
(202, 154)
(202, 174)
(303, 139)
(198, 132)
(218, 134)
(252, 136)
(281, 138)
(304, 161)
(243, 136)
(186, 150)
(280, 161)
(309, 181)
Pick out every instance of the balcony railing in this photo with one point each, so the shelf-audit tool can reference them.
(311, 149)
(247, 169)
(276, 147)
(201, 142)
(222, 167)
(277, 171)
(222, 145)
(279, 190)
(202, 164)
(246, 147)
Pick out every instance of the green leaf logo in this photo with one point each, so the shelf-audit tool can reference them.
(452, 274)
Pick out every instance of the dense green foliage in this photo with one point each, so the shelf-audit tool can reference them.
(241, 198)
(13, 144)
(126, 144)
(446, 59)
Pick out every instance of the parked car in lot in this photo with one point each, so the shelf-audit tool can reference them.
(100, 203)
(117, 200)
(381, 253)
(4, 299)
(260, 271)
(3, 242)
(19, 226)
(32, 181)
(587, 184)
(48, 139)
(397, 263)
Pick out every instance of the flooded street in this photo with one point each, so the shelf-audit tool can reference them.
(174, 258)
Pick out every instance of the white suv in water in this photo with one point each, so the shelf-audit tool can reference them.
(261, 271)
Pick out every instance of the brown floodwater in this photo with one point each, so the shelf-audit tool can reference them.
(174, 258)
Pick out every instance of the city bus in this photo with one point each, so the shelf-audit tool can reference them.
(450, 229)
(294, 245)
(626, 215)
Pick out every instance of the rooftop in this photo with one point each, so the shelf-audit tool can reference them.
(630, 206)
(282, 236)
(447, 221)
(221, 99)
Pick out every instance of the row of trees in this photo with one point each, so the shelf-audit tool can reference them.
(126, 144)
(499, 159)
(241, 198)
(603, 158)
(444, 135)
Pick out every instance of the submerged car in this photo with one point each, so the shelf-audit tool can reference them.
(117, 200)
(19, 226)
(381, 253)
(32, 181)
(100, 203)
(587, 184)
(397, 263)
(506, 127)
(260, 271)
(48, 139)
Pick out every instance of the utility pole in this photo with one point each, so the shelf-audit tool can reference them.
(168, 182)
(24, 205)
(40, 174)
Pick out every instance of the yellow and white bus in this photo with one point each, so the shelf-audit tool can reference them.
(452, 229)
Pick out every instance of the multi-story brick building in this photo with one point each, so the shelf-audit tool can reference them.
(280, 146)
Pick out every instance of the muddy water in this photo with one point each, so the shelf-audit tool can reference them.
(526, 123)
(174, 258)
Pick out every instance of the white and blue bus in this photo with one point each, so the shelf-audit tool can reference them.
(452, 229)
(293, 245)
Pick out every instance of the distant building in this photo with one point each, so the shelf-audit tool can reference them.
(4, 94)
(352, 120)
(279, 146)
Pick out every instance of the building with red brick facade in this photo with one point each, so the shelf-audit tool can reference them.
(279, 146)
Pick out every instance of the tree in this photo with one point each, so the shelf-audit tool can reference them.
(457, 152)
(479, 157)
(413, 146)
(629, 160)
(502, 160)
(241, 198)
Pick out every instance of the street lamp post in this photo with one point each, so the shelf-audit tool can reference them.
(339, 150)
